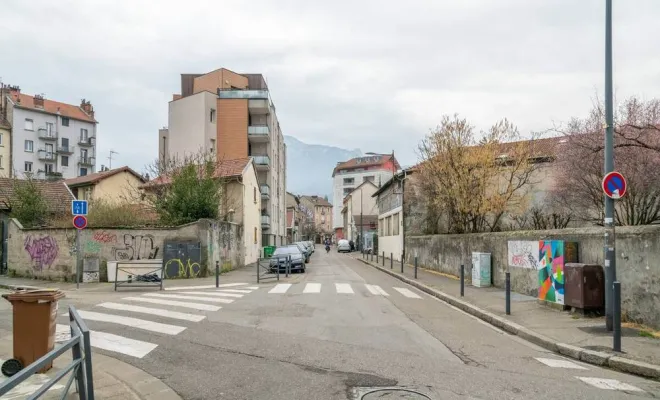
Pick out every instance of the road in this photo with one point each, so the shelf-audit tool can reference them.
(331, 333)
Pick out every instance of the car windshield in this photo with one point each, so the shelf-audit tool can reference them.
(284, 251)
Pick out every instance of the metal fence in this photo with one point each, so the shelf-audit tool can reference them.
(136, 275)
(269, 268)
(80, 367)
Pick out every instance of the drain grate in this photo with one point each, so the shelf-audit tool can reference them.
(389, 393)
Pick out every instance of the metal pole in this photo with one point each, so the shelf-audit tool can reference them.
(286, 266)
(376, 258)
(616, 294)
(610, 258)
(415, 267)
(259, 266)
(217, 274)
(383, 258)
(508, 293)
(402, 263)
(391, 260)
(462, 280)
(78, 258)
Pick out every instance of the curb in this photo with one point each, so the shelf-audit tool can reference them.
(597, 358)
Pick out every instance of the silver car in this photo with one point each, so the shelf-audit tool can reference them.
(343, 246)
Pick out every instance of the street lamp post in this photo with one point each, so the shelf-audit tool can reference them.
(610, 254)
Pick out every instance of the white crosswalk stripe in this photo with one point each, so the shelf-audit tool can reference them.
(251, 287)
(204, 286)
(558, 363)
(312, 288)
(132, 322)
(194, 306)
(280, 288)
(609, 384)
(219, 294)
(185, 297)
(407, 292)
(110, 342)
(376, 290)
(234, 291)
(344, 288)
(153, 311)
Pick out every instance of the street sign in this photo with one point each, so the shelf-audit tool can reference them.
(80, 221)
(79, 207)
(614, 185)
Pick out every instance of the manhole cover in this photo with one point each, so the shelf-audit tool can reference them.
(392, 393)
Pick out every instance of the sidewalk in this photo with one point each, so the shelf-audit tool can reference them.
(113, 379)
(569, 334)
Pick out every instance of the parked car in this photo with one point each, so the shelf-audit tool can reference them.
(278, 260)
(343, 246)
(306, 251)
(311, 245)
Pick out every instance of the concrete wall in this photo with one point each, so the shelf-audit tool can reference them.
(190, 129)
(46, 253)
(251, 215)
(638, 260)
(5, 152)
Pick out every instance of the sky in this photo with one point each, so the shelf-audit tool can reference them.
(374, 75)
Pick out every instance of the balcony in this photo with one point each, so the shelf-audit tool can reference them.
(262, 163)
(89, 142)
(259, 133)
(87, 162)
(47, 155)
(65, 149)
(265, 192)
(265, 222)
(243, 94)
(45, 134)
(52, 175)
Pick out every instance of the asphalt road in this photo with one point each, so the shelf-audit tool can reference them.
(332, 333)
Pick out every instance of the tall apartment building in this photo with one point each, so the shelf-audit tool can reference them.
(233, 116)
(347, 175)
(321, 210)
(47, 139)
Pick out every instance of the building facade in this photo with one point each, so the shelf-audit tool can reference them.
(360, 212)
(48, 139)
(5, 146)
(321, 211)
(232, 116)
(114, 186)
(347, 175)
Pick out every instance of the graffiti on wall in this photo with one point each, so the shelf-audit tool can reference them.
(176, 268)
(226, 236)
(43, 251)
(551, 271)
(182, 259)
(523, 253)
(136, 247)
(104, 237)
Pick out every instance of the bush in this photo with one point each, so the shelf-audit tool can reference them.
(28, 204)
(107, 215)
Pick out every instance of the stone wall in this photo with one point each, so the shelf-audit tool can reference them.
(49, 253)
(637, 260)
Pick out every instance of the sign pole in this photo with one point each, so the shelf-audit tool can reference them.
(77, 258)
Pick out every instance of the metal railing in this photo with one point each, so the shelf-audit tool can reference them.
(80, 367)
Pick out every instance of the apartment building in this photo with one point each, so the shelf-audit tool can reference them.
(348, 175)
(321, 211)
(233, 116)
(47, 139)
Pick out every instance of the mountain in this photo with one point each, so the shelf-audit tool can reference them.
(309, 166)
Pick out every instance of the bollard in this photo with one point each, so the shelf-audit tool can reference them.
(376, 258)
(462, 280)
(508, 292)
(258, 266)
(391, 260)
(415, 267)
(217, 274)
(402, 263)
(372, 256)
(616, 315)
(287, 263)
(383, 258)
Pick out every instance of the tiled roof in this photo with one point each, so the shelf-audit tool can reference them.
(224, 169)
(56, 194)
(318, 201)
(95, 178)
(51, 107)
(369, 160)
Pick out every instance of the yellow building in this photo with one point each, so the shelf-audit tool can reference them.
(5, 148)
(114, 186)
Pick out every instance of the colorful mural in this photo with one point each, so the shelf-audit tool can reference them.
(551, 271)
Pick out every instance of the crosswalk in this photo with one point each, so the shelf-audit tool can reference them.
(340, 289)
(175, 309)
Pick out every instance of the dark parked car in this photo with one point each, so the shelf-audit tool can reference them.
(278, 260)
(304, 249)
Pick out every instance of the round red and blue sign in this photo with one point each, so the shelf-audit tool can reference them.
(614, 185)
(80, 221)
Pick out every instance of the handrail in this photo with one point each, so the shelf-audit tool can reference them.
(82, 355)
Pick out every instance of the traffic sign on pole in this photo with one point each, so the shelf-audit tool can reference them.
(614, 185)
(79, 207)
(80, 221)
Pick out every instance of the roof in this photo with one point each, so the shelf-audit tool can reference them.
(95, 178)
(396, 177)
(51, 107)
(57, 194)
(370, 160)
(318, 201)
(224, 169)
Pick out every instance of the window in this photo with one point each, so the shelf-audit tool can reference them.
(369, 178)
(65, 144)
(29, 124)
(65, 121)
(65, 161)
(212, 115)
(255, 235)
(254, 193)
(83, 171)
(84, 136)
(49, 168)
(28, 166)
(83, 155)
(49, 128)
(349, 181)
(1, 159)
(395, 224)
(29, 146)
(347, 190)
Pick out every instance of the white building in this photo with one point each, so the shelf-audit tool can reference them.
(49, 139)
(390, 203)
(347, 175)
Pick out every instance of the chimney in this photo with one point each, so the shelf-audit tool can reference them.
(87, 107)
(38, 101)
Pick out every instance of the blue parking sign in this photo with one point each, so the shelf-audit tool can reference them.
(79, 207)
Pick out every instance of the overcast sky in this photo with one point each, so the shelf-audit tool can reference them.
(361, 73)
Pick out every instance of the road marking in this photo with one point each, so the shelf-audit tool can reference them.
(234, 291)
(110, 342)
(205, 286)
(312, 288)
(344, 288)
(407, 292)
(214, 294)
(609, 384)
(132, 322)
(555, 363)
(153, 311)
(194, 306)
(199, 298)
(376, 290)
(280, 288)
(252, 287)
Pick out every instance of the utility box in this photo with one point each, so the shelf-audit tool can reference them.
(585, 286)
(481, 269)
